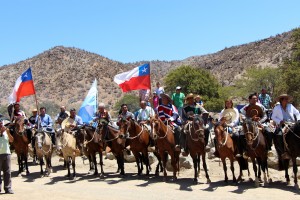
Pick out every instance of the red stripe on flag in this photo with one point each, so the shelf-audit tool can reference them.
(136, 83)
(25, 89)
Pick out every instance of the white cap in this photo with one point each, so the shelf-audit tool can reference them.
(178, 88)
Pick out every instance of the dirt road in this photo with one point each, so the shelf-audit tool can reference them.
(112, 186)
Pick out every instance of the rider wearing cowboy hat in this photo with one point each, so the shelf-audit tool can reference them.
(282, 113)
(189, 111)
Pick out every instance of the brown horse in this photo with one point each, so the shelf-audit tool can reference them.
(20, 144)
(195, 142)
(138, 140)
(44, 148)
(291, 141)
(256, 147)
(111, 137)
(227, 149)
(165, 142)
(93, 145)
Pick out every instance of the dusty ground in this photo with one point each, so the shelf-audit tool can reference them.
(112, 186)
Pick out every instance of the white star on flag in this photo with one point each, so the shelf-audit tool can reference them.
(144, 70)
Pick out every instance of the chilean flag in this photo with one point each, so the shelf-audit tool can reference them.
(135, 79)
(23, 87)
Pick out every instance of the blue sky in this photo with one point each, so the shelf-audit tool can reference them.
(136, 30)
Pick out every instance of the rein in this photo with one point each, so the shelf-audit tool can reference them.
(195, 131)
(86, 142)
(159, 137)
(50, 148)
(131, 138)
(226, 132)
(255, 129)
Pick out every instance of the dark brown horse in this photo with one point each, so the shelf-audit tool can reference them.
(195, 142)
(20, 144)
(110, 136)
(256, 147)
(227, 149)
(291, 143)
(165, 142)
(94, 145)
(138, 140)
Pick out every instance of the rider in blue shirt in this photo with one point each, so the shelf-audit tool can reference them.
(44, 121)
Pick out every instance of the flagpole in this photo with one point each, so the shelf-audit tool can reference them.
(36, 103)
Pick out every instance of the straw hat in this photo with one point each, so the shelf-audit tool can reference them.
(229, 115)
(65, 125)
(34, 110)
(190, 95)
(290, 98)
(254, 110)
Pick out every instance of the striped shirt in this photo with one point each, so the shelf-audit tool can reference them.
(169, 112)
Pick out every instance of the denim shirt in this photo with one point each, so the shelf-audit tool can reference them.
(44, 121)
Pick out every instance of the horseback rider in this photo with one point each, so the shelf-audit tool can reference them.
(75, 125)
(32, 119)
(168, 113)
(229, 117)
(61, 116)
(188, 113)
(256, 112)
(18, 113)
(284, 113)
(44, 122)
(102, 114)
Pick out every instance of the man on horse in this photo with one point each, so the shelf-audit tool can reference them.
(102, 114)
(61, 116)
(168, 113)
(283, 115)
(45, 123)
(188, 113)
(257, 112)
(76, 125)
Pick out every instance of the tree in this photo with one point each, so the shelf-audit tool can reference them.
(196, 81)
(131, 100)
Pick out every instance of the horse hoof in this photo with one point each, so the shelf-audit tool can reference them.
(101, 176)
(296, 186)
(195, 180)
(208, 181)
(27, 173)
(256, 184)
(250, 179)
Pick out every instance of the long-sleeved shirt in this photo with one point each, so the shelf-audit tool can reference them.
(144, 114)
(44, 121)
(264, 115)
(170, 112)
(194, 109)
(279, 114)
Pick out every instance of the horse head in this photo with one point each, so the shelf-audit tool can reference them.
(125, 126)
(40, 139)
(59, 136)
(19, 125)
(219, 134)
(155, 126)
(251, 131)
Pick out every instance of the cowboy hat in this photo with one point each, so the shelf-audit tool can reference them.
(254, 110)
(229, 115)
(166, 96)
(34, 110)
(198, 96)
(65, 125)
(290, 98)
(190, 95)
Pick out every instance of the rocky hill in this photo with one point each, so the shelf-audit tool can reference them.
(63, 75)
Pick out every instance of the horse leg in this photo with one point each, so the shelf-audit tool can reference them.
(255, 171)
(67, 159)
(138, 160)
(95, 163)
(122, 163)
(73, 165)
(259, 163)
(232, 169)
(225, 169)
(159, 164)
(264, 169)
(26, 163)
(174, 165)
(198, 163)
(205, 168)
(195, 162)
(162, 155)
(295, 170)
(42, 172)
(286, 169)
(146, 159)
(101, 163)
(20, 164)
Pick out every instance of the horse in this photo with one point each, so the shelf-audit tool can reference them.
(291, 142)
(20, 144)
(165, 142)
(195, 142)
(228, 149)
(256, 146)
(93, 144)
(138, 140)
(66, 142)
(44, 148)
(111, 137)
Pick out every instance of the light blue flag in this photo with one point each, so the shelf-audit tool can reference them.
(90, 104)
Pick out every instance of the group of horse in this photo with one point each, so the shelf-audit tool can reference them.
(94, 140)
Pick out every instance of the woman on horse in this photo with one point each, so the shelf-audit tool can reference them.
(284, 113)
(229, 116)
(168, 113)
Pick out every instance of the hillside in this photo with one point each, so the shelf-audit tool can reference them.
(63, 75)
